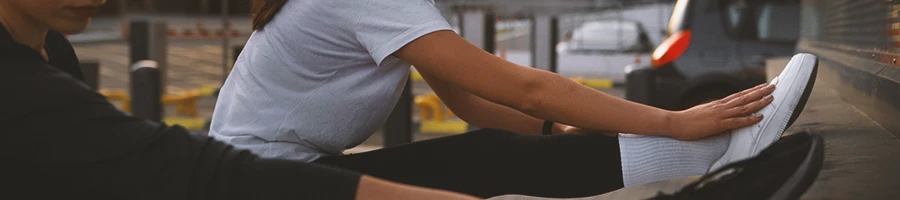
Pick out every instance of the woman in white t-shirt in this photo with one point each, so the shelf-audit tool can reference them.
(318, 77)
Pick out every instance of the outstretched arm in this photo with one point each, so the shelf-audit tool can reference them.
(447, 57)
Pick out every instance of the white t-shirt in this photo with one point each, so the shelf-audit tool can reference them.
(320, 77)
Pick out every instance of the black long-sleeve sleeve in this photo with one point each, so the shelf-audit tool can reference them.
(62, 140)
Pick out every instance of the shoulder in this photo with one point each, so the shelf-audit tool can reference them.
(32, 82)
(31, 87)
(63, 55)
(58, 40)
(26, 77)
(18, 62)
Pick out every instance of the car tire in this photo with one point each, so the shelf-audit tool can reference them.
(703, 95)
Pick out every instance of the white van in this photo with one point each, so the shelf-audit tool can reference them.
(603, 48)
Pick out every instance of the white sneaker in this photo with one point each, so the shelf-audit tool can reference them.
(792, 89)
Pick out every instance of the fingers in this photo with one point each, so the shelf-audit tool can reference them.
(738, 122)
(742, 93)
(746, 109)
(749, 97)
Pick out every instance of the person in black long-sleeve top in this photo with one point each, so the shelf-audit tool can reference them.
(62, 140)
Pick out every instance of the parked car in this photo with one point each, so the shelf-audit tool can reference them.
(607, 36)
(714, 48)
(602, 48)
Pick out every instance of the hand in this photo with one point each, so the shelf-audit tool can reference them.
(734, 111)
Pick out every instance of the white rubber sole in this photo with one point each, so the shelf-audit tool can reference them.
(791, 85)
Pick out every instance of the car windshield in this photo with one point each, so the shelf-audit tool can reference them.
(605, 36)
(774, 17)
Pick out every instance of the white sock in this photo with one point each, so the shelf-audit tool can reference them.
(648, 159)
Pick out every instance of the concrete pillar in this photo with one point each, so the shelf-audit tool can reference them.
(148, 40)
(398, 128)
(544, 34)
(236, 52)
(226, 41)
(146, 90)
(91, 70)
(479, 28)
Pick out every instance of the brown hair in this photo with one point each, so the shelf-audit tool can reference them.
(264, 10)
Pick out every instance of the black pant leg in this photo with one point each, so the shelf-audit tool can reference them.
(491, 162)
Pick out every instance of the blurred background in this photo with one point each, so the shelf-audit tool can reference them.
(670, 54)
(637, 49)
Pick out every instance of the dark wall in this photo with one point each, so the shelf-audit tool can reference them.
(858, 45)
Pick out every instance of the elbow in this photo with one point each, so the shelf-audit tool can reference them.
(540, 91)
(530, 109)
(530, 105)
(532, 100)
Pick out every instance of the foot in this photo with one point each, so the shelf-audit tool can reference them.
(785, 170)
(792, 89)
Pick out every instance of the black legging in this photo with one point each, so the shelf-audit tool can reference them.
(489, 162)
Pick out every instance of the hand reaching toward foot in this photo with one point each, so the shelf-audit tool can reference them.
(734, 111)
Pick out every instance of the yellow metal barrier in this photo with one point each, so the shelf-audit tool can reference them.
(187, 122)
(429, 107)
(598, 83)
(186, 102)
(118, 96)
(415, 76)
(450, 126)
(594, 83)
(432, 116)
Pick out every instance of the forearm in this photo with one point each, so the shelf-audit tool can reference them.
(559, 99)
(483, 113)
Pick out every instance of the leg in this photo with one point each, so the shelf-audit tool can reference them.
(648, 159)
(491, 162)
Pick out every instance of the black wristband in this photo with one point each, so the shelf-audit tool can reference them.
(548, 127)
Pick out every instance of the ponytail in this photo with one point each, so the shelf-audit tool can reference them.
(264, 10)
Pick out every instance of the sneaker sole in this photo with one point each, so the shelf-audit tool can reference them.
(795, 186)
(773, 125)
